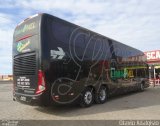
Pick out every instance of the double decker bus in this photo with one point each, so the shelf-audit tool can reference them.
(55, 61)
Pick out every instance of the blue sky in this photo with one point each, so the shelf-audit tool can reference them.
(133, 22)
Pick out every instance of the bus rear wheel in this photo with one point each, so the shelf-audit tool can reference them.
(101, 96)
(87, 97)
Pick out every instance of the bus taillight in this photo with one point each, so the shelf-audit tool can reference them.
(41, 82)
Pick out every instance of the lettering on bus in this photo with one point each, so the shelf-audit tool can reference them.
(25, 28)
(116, 73)
(124, 73)
(23, 82)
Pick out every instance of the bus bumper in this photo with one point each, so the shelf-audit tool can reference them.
(27, 99)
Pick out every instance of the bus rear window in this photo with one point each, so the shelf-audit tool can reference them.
(28, 27)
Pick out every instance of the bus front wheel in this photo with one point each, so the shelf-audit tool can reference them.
(142, 87)
(101, 96)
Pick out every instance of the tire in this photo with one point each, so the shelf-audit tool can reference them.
(141, 87)
(101, 96)
(87, 97)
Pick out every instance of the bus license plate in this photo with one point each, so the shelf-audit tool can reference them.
(22, 98)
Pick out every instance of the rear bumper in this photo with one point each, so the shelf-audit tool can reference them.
(27, 99)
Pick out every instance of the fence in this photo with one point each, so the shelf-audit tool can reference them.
(154, 82)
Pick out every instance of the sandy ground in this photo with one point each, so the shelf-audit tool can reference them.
(140, 105)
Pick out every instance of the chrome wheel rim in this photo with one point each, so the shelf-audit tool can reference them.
(88, 97)
(102, 94)
(142, 87)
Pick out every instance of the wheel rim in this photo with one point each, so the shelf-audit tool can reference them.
(142, 87)
(88, 97)
(102, 94)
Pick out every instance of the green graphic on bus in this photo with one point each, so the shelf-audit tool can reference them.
(124, 73)
(21, 46)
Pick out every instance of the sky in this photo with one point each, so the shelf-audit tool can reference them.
(132, 22)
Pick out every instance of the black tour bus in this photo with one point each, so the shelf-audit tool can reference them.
(58, 62)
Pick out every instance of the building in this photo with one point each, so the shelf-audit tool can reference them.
(153, 60)
(6, 77)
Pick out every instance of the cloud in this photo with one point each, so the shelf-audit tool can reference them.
(73, 6)
(5, 64)
(133, 22)
(6, 52)
(6, 33)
